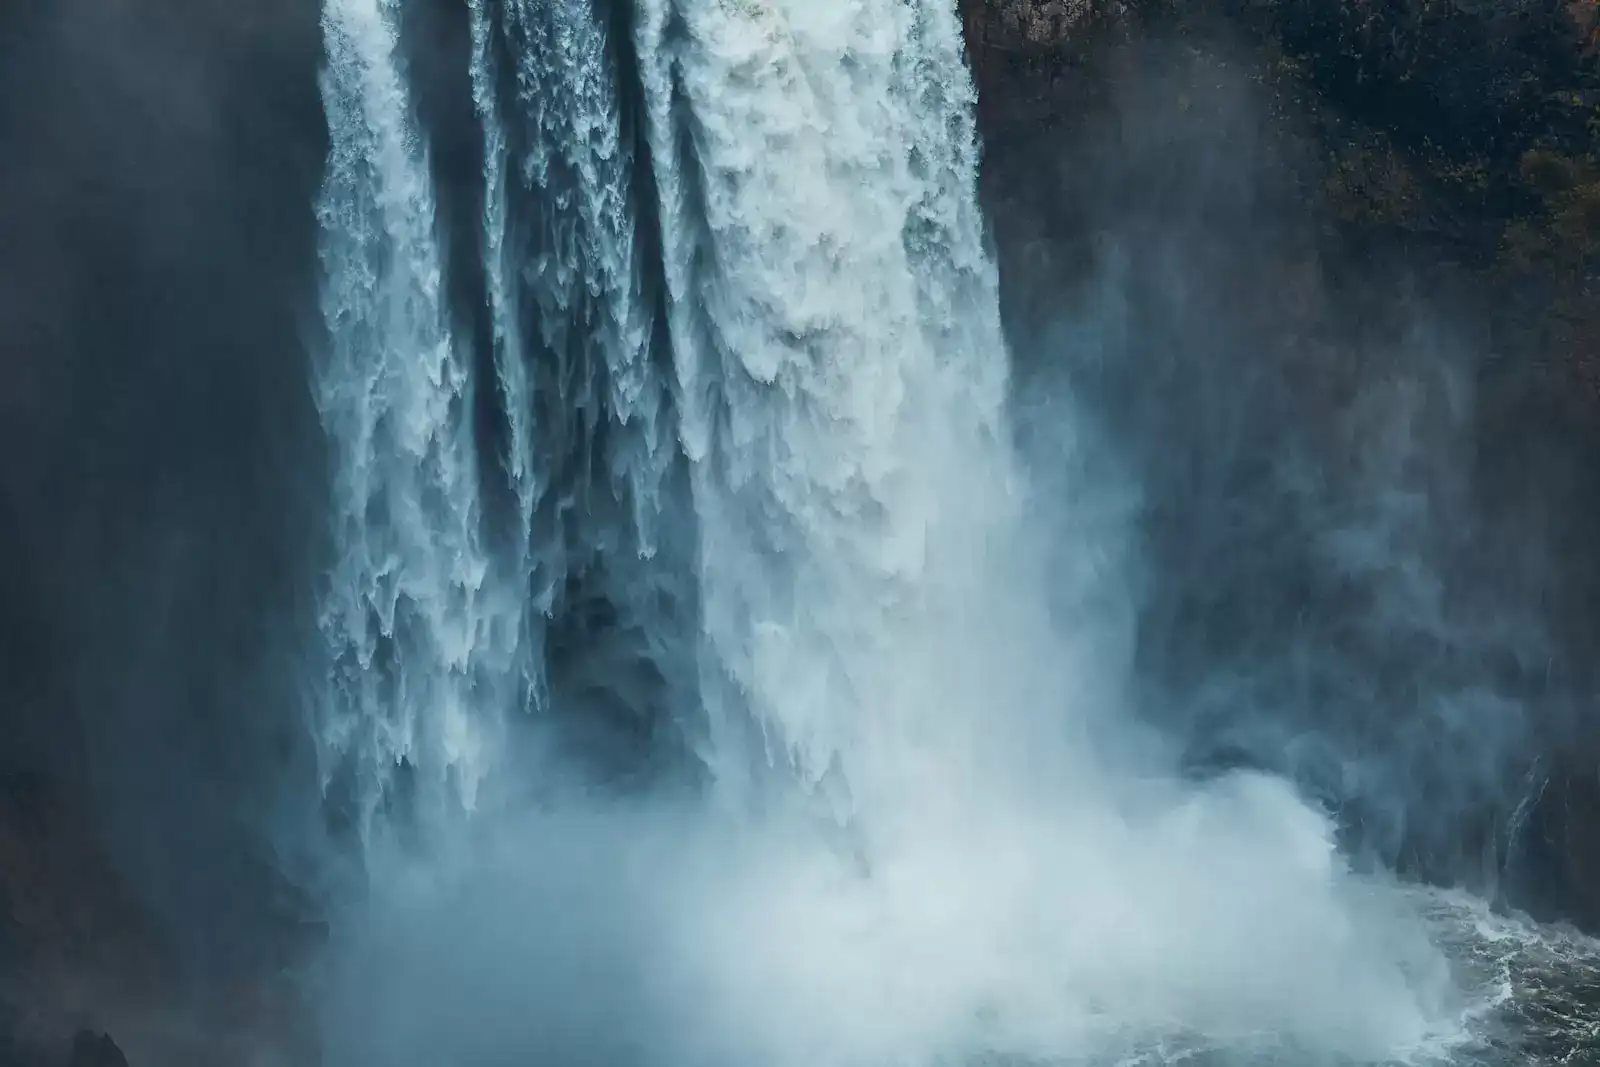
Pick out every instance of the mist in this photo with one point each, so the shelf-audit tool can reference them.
(992, 853)
(882, 660)
(664, 933)
(1326, 587)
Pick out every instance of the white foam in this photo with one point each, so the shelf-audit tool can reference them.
(406, 613)
(883, 630)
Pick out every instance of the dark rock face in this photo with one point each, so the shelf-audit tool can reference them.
(78, 945)
(1324, 273)
(90, 1049)
(1558, 869)
(158, 478)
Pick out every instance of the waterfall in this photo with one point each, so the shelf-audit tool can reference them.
(416, 638)
(591, 441)
(505, 318)
(833, 326)
(877, 636)
(836, 333)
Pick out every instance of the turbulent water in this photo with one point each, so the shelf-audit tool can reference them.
(417, 636)
(739, 301)
(838, 355)
(588, 445)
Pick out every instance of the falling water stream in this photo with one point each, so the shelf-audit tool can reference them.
(740, 300)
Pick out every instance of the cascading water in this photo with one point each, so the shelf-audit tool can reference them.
(590, 443)
(838, 350)
(415, 637)
(873, 590)
(877, 627)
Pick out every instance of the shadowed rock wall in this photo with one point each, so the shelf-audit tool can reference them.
(1337, 271)
(159, 474)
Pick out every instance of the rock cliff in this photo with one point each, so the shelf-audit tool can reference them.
(1332, 256)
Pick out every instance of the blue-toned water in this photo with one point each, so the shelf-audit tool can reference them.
(747, 380)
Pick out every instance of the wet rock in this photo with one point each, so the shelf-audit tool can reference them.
(75, 943)
(91, 1049)
(1554, 866)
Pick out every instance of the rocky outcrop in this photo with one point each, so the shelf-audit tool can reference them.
(77, 949)
(90, 1049)
(81, 957)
